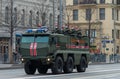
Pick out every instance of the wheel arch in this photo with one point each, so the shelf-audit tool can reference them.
(61, 55)
(71, 55)
(84, 55)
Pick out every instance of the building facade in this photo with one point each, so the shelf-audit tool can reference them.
(102, 18)
(25, 14)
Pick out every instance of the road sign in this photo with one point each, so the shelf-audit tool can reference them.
(104, 43)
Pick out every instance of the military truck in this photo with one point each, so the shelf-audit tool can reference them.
(60, 52)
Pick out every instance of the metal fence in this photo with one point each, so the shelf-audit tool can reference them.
(105, 58)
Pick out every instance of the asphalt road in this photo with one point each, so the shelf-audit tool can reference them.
(104, 71)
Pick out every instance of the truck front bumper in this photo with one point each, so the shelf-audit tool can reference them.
(43, 60)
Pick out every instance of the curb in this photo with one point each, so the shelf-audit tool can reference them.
(13, 66)
(101, 63)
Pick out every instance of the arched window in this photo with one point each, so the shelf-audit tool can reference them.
(51, 20)
(7, 15)
(15, 16)
(37, 18)
(30, 18)
(43, 19)
(23, 17)
(58, 20)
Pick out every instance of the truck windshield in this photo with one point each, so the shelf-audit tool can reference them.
(27, 39)
(43, 39)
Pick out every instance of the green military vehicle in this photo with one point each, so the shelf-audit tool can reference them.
(59, 52)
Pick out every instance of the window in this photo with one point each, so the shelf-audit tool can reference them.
(118, 1)
(88, 14)
(43, 39)
(112, 33)
(30, 18)
(75, 2)
(102, 1)
(118, 34)
(75, 14)
(113, 2)
(43, 19)
(37, 18)
(87, 1)
(58, 20)
(50, 20)
(93, 33)
(113, 13)
(23, 17)
(102, 13)
(15, 16)
(117, 15)
(27, 39)
(6, 15)
(118, 49)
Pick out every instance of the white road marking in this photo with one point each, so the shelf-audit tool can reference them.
(39, 76)
(103, 70)
(100, 76)
(46, 76)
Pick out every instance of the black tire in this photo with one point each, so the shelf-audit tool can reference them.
(57, 67)
(42, 69)
(82, 66)
(29, 68)
(69, 65)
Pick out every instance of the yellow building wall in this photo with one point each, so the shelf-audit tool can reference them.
(107, 25)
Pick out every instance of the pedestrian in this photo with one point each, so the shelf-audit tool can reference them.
(15, 56)
(5, 55)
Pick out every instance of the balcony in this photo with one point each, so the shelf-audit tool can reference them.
(88, 2)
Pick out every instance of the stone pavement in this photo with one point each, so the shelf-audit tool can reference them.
(10, 66)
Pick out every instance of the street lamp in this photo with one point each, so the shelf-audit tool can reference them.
(11, 33)
(61, 12)
(114, 38)
(53, 15)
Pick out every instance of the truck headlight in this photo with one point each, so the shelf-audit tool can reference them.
(48, 59)
(22, 59)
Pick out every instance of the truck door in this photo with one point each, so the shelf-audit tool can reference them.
(53, 41)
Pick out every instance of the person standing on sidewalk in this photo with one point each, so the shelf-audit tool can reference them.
(6, 55)
(15, 56)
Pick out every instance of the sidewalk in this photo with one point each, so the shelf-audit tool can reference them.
(10, 66)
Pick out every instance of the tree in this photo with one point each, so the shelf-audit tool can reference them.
(42, 9)
(68, 14)
(10, 24)
(92, 23)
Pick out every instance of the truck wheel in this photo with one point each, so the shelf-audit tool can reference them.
(42, 69)
(57, 67)
(29, 68)
(69, 65)
(82, 66)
